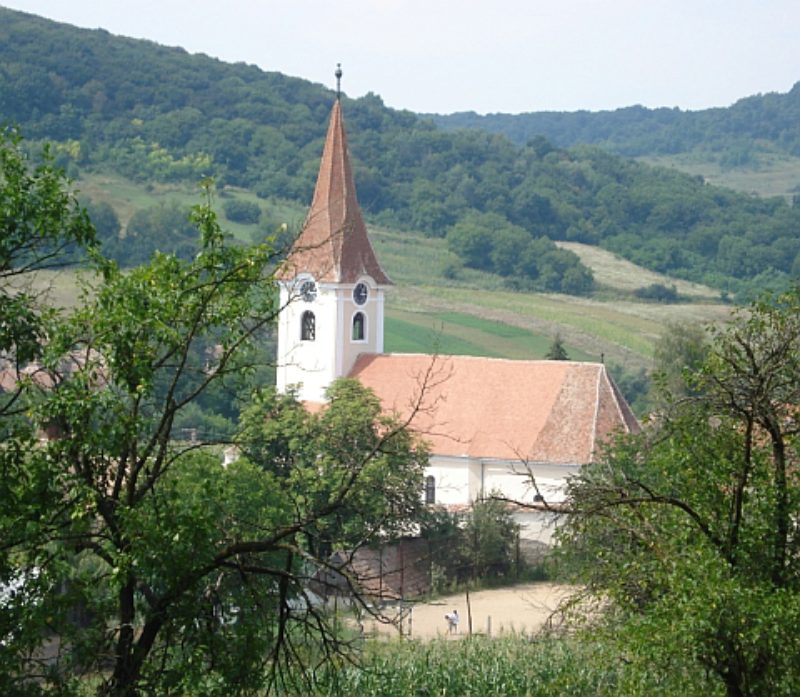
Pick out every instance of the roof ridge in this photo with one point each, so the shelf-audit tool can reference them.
(495, 359)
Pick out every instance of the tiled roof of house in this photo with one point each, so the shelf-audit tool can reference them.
(333, 245)
(539, 411)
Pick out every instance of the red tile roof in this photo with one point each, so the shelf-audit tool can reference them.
(541, 411)
(333, 245)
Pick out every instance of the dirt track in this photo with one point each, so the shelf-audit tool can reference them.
(521, 608)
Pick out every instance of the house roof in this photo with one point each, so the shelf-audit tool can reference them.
(539, 411)
(333, 245)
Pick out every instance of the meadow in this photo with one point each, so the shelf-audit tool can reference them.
(436, 305)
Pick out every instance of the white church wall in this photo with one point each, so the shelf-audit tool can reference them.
(515, 480)
(461, 480)
(452, 477)
(537, 526)
(310, 364)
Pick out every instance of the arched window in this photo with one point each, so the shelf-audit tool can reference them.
(430, 489)
(358, 326)
(308, 326)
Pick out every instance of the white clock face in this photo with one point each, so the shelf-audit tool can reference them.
(308, 291)
(360, 294)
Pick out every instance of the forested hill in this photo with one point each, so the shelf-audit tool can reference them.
(768, 121)
(159, 114)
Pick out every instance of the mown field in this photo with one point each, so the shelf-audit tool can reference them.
(424, 307)
(774, 174)
(437, 306)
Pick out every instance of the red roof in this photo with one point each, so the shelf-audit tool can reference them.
(333, 245)
(540, 411)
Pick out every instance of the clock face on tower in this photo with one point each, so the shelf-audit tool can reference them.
(308, 291)
(360, 293)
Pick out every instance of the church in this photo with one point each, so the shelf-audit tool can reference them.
(514, 427)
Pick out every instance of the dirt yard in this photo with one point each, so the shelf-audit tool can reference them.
(521, 608)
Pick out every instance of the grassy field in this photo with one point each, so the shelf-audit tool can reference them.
(620, 275)
(469, 312)
(465, 334)
(127, 197)
(620, 328)
(769, 175)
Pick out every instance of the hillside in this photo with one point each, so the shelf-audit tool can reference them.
(752, 146)
(159, 115)
(472, 312)
(769, 122)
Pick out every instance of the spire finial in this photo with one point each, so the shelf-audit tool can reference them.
(338, 74)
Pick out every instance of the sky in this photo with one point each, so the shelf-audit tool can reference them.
(511, 56)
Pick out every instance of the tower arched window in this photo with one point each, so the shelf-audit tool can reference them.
(308, 326)
(430, 489)
(359, 322)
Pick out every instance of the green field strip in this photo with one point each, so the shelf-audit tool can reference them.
(461, 334)
(409, 337)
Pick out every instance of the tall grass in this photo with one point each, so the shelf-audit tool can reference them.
(514, 666)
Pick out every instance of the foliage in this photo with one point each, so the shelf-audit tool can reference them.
(105, 221)
(478, 544)
(635, 386)
(313, 455)
(679, 352)
(759, 122)
(658, 292)
(490, 540)
(160, 114)
(557, 352)
(511, 666)
(138, 559)
(162, 228)
(488, 241)
(41, 223)
(688, 531)
(242, 211)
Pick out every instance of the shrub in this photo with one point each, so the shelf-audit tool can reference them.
(245, 212)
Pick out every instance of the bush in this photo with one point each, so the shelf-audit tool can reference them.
(658, 292)
(245, 212)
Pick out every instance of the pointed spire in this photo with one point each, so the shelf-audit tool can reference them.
(333, 245)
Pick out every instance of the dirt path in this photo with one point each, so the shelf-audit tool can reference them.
(521, 608)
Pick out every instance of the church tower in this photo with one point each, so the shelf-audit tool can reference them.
(331, 285)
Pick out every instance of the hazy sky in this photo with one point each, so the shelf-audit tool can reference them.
(482, 55)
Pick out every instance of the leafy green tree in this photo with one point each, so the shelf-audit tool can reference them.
(688, 531)
(314, 454)
(490, 539)
(679, 352)
(138, 559)
(165, 228)
(658, 292)
(242, 211)
(41, 223)
(105, 220)
(557, 352)
(471, 238)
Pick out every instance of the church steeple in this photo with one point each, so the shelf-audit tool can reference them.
(333, 245)
(332, 288)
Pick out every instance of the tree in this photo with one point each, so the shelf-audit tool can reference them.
(105, 221)
(312, 454)
(490, 539)
(688, 531)
(41, 221)
(679, 352)
(136, 558)
(164, 228)
(240, 211)
(557, 352)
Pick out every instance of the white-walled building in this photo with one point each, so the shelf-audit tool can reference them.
(494, 425)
